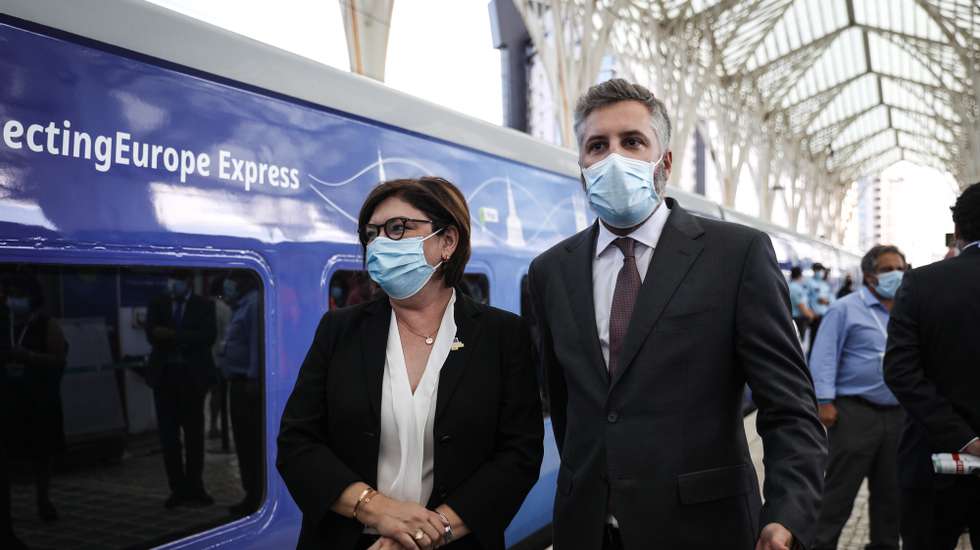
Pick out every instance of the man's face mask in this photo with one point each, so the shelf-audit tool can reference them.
(621, 190)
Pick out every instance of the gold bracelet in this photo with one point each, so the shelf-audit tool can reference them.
(366, 496)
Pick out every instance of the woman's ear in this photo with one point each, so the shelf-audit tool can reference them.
(449, 240)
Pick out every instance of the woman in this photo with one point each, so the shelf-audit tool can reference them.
(34, 363)
(415, 421)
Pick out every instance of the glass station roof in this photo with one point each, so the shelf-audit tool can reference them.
(863, 83)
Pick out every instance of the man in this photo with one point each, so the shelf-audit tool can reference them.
(862, 415)
(240, 360)
(933, 366)
(651, 321)
(818, 290)
(799, 300)
(180, 327)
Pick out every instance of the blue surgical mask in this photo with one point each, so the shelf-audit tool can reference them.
(888, 284)
(19, 305)
(818, 275)
(178, 288)
(399, 267)
(621, 190)
(229, 290)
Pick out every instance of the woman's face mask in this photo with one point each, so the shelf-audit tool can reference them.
(399, 267)
(621, 190)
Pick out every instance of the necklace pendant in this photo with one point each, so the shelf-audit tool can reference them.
(429, 340)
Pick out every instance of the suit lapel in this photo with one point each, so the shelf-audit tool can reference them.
(577, 271)
(676, 252)
(373, 346)
(466, 316)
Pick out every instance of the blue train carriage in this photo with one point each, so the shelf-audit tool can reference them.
(136, 141)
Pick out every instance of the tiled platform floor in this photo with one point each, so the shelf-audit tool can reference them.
(121, 505)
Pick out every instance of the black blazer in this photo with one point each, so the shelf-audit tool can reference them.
(932, 363)
(195, 336)
(663, 442)
(488, 426)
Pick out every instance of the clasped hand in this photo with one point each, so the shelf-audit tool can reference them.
(403, 525)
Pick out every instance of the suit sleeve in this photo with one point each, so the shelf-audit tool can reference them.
(905, 375)
(490, 498)
(312, 472)
(551, 374)
(768, 350)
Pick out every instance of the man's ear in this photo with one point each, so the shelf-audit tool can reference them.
(668, 162)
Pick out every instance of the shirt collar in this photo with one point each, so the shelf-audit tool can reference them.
(869, 299)
(648, 234)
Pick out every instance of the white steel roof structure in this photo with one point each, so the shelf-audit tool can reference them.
(824, 91)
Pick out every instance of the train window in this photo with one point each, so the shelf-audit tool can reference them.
(131, 402)
(350, 287)
(476, 286)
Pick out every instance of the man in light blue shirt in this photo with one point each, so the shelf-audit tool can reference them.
(240, 362)
(863, 418)
(818, 292)
(799, 301)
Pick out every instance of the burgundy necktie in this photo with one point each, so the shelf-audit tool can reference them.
(624, 298)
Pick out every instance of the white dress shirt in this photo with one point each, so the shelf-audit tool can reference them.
(609, 260)
(406, 454)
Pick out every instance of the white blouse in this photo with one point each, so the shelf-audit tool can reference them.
(406, 454)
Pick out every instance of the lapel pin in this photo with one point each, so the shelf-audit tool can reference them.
(456, 345)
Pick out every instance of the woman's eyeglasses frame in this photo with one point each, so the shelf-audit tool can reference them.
(391, 231)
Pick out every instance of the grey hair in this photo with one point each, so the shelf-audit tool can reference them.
(616, 90)
(869, 263)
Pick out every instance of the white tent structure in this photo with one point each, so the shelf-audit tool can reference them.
(818, 93)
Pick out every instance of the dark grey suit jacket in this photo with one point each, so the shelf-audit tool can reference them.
(195, 336)
(932, 365)
(663, 442)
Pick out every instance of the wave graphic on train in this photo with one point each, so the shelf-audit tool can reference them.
(543, 233)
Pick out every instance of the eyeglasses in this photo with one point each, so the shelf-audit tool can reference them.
(394, 228)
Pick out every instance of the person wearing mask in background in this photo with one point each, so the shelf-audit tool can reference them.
(181, 327)
(820, 297)
(651, 322)
(35, 365)
(863, 418)
(799, 300)
(933, 366)
(847, 287)
(239, 361)
(415, 420)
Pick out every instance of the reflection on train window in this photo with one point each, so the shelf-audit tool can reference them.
(349, 287)
(527, 312)
(130, 402)
(476, 286)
